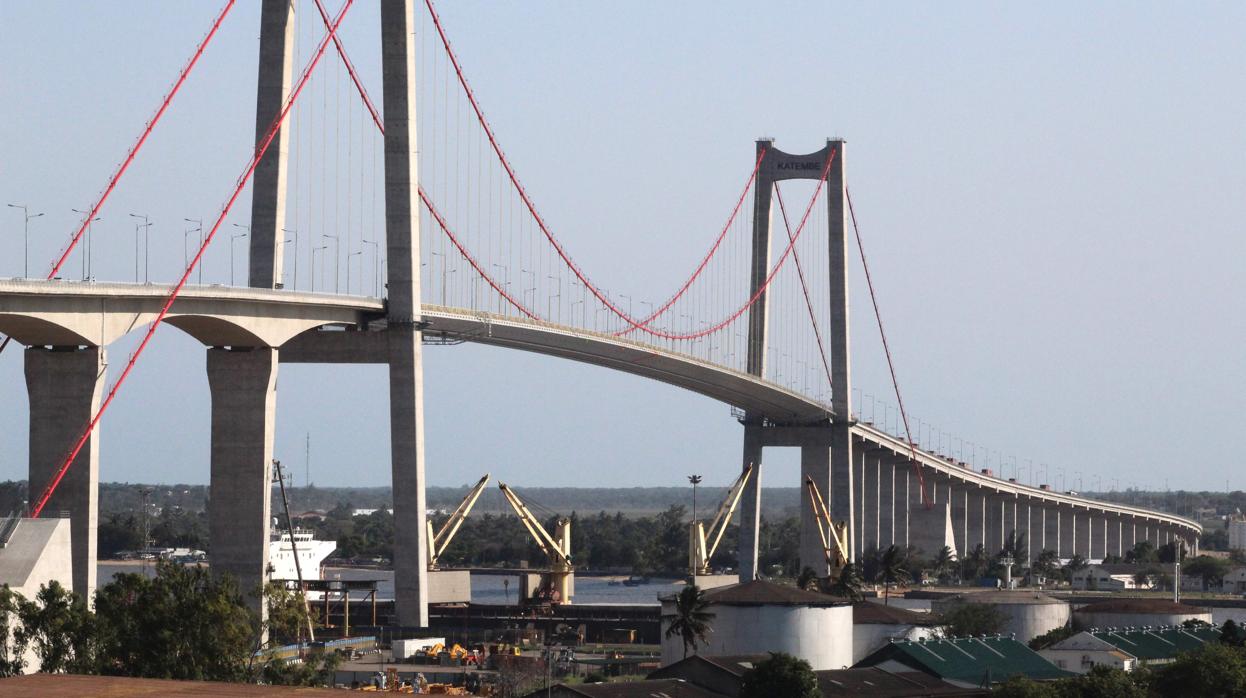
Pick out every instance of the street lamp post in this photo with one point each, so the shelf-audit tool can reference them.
(144, 226)
(313, 265)
(294, 282)
(25, 234)
(197, 229)
(359, 254)
(376, 273)
(86, 251)
(337, 260)
(695, 480)
(232, 240)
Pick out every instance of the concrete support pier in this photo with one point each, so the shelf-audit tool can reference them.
(406, 366)
(243, 383)
(750, 504)
(64, 385)
(815, 463)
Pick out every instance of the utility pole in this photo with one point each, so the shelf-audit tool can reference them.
(146, 492)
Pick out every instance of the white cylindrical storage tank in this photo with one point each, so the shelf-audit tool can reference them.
(1136, 613)
(758, 617)
(1028, 614)
(876, 624)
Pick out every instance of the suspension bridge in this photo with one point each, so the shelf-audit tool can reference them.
(445, 245)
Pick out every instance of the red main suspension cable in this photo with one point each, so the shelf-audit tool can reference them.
(164, 105)
(125, 164)
(254, 162)
(350, 70)
(800, 271)
(895, 384)
(523, 194)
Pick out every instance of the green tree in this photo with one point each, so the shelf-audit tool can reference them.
(1051, 637)
(1103, 681)
(1077, 563)
(183, 624)
(1017, 545)
(1233, 634)
(847, 583)
(973, 619)
(1046, 563)
(691, 620)
(1214, 671)
(892, 569)
(1022, 687)
(12, 650)
(808, 579)
(1143, 552)
(1211, 569)
(943, 562)
(60, 628)
(976, 562)
(780, 675)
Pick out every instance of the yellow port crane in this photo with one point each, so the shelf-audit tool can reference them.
(437, 542)
(556, 581)
(702, 544)
(834, 536)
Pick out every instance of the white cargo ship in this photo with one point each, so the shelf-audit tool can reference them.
(311, 555)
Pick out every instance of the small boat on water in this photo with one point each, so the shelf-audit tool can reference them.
(634, 581)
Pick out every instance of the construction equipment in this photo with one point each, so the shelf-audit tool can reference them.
(555, 582)
(437, 542)
(703, 544)
(834, 536)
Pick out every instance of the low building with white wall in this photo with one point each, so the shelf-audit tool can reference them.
(758, 617)
(33, 553)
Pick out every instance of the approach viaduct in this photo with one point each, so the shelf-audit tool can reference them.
(66, 327)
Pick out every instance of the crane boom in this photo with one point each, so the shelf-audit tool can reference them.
(705, 543)
(837, 556)
(557, 552)
(439, 541)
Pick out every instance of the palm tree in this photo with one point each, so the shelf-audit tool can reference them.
(978, 561)
(891, 570)
(847, 584)
(690, 621)
(943, 561)
(808, 579)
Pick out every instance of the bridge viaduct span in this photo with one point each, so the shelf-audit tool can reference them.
(872, 477)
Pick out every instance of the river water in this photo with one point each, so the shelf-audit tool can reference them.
(486, 588)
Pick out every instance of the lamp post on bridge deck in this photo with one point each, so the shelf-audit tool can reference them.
(86, 251)
(232, 240)
(294, 281)
(376, 274)
(26, 236)
(337, 260)
(198, 229)
(146, 227)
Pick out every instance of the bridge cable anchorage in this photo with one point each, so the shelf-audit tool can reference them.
(527, 201)
(895, 384)
(125, 164)
(254, 162)
(800, 271)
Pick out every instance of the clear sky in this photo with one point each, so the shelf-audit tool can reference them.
(1052, 198)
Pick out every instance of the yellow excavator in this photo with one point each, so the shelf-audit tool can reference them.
(556, 582)
(834, 536)
(438, 541)
(702, 544)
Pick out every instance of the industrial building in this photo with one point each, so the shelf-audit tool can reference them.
(1126, 648)
(875, 624)
(966, 661)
